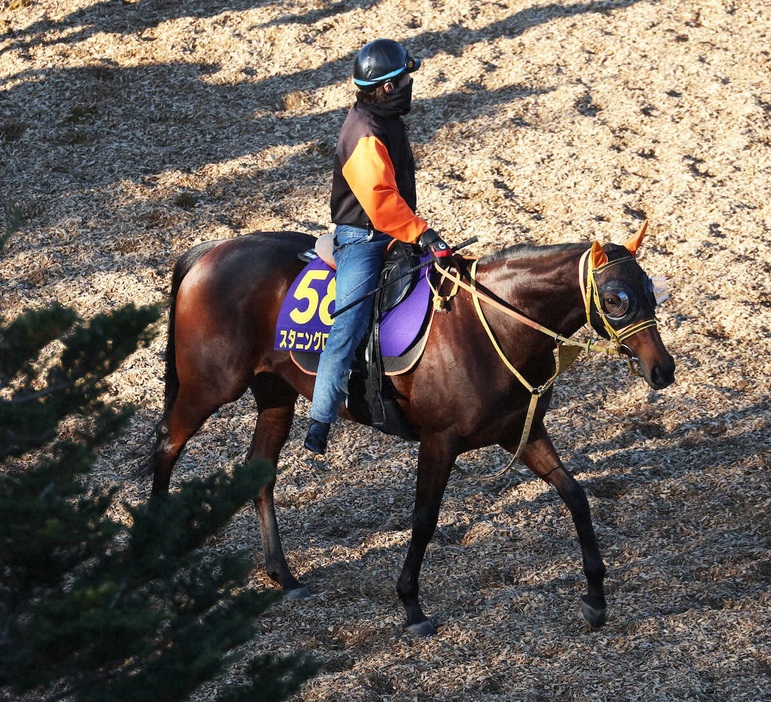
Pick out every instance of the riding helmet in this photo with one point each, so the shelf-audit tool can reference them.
(380, 61)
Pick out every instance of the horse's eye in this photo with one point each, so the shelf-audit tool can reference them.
(615, 304)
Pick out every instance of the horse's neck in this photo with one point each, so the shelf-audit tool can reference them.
(542, 283)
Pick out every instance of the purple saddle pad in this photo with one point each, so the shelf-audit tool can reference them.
(306, 313)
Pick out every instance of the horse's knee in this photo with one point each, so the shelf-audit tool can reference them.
(263, 501)
(424, 520)
(571, 492)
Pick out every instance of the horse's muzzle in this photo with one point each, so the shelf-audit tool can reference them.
(661, 375)
(658, 370)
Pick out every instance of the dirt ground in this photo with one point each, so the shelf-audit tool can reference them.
(131, 130)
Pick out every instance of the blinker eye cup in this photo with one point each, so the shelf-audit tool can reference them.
(660, 289)
(615, 304)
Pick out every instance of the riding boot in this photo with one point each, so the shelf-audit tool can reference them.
(316, 439)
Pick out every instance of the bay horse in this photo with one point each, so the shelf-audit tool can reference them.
(468, 390)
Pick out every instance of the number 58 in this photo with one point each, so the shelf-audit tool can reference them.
(322, 305)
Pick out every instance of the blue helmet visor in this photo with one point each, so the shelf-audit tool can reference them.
(410, 66)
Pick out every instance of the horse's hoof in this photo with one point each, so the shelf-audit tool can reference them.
(424, 628)
(297, 593)
(595, 618)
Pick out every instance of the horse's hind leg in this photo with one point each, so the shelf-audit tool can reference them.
(275, 410)
(184, 417)
(541, 457)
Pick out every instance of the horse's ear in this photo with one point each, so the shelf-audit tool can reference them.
(633, 243)
(597, 255)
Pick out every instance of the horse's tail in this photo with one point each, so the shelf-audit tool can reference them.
(181, 269)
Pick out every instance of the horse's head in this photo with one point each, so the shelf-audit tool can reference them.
(621, 302)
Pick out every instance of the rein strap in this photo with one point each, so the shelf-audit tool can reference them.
(587, 346)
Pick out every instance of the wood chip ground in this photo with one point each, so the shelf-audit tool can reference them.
(131, 130)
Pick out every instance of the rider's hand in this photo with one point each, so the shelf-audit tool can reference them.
(430, 241)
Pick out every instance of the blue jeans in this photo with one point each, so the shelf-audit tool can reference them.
(359, 258)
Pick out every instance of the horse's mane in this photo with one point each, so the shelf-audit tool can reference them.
(529, 251)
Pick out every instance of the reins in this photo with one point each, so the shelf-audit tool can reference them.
(567, 350)
(408, 272)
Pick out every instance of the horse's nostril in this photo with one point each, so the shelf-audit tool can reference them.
(662, 377)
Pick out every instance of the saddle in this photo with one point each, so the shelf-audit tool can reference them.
(394, 341)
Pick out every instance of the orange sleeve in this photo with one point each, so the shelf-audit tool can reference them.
(372, 179)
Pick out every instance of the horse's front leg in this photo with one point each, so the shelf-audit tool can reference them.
(434, 464)
(541, 457)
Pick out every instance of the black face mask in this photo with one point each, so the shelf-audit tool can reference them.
(396, 104)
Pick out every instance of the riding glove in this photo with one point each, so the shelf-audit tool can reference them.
(441, 251)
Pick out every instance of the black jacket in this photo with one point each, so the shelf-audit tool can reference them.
(373, 179)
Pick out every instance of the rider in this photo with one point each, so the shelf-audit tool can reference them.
(373, 201)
